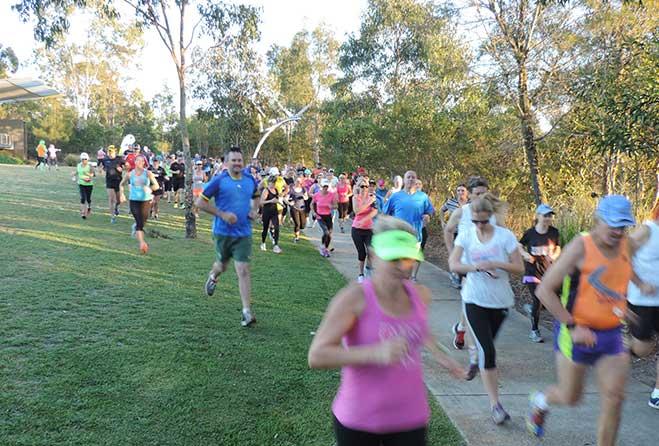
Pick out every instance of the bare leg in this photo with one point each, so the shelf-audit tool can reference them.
(569, 389)
(244, 282)
(490, 382)
(612, 374)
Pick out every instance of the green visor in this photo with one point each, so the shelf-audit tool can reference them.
(396, 245)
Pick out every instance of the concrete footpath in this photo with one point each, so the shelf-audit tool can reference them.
(523, 367)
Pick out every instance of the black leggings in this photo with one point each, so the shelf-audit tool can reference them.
(362, 240)
(350, 437)
(485, 324)
(85, 194)
(299, 219)
(424, 238)
(325, 223)
(343, 210)
(270, 217)
(535, 306)
(140, 211)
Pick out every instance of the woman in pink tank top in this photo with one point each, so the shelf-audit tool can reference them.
(363, 204)
(375, 332)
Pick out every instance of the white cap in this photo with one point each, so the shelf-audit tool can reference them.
(324, 182)
(84, 156)
(274, 171)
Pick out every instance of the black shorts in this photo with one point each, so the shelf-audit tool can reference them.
(648, 324)
(112, 183)
(168, 185)
(178, 183)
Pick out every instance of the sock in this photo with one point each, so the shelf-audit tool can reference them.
(655, 393)
(473, 355)
(245, 310)
(540, 400)
(461, 327)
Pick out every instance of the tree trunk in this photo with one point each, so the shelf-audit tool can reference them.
(528, 135)
(190, 219)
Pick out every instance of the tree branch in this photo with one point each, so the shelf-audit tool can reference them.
(194, 29)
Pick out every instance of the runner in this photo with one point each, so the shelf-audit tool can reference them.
(85, 177)
(298, 203)
(270, 198)
(644, 301)
(487, 254)
(382, 190)
(324, 202)
(159, 174)
(52, 157)
(539, 247)
(364, 204)
(113, 167)
(198, 178)
(142, 184)
(397, 187)
(413, 206)
(375, 332)
(344, 192)
(424, 228)
(178, 181)
(593, 271)
(236, 202)
(41, 153)
(168, 177)
(461, 198)
(460, 220)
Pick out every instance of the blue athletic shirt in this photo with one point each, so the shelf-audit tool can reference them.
(410, 208)
(233, 196)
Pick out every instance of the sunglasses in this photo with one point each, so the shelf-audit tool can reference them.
(364, 186)
(482, 222)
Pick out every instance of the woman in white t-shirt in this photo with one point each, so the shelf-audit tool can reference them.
(487, 254)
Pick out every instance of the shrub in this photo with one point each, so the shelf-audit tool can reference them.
(71, 159)
(8, 159)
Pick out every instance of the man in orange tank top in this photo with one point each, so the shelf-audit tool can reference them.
(593, 270)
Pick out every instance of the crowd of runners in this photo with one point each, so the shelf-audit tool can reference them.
(600, 287)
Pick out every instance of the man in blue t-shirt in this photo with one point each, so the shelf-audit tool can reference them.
(412, 206)
(235, 194)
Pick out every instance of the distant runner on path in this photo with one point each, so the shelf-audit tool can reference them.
(236, 204)
(375, 331)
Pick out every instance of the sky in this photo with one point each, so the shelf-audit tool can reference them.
(280, 20)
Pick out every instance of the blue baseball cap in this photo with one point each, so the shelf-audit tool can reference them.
(616, 211)
(544, 209)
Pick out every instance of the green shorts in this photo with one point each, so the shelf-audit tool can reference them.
(238, 248)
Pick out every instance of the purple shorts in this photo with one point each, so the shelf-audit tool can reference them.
(608, 343)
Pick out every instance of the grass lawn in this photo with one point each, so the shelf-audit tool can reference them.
(102, 346)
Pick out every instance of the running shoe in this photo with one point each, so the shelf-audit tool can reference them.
(276, 249)
(654, 402)
(247, 318)
(536, 337)
(83, 216)
(210, 285)
(472, 372)
(413, 279)
(459, 337)
(321, 250)
(133, 230)
(499, 415)
(175, 205)
(360, 278)
(263, 247)
(536, 420)
(155, 216)
(113, 219)
(296, 239)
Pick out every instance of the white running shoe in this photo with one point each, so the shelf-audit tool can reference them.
(276, 249)
(247, 318)
(360, 278)
(536, 337)
(263, 247)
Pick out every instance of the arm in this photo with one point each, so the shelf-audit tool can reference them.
(154, 183)
(326, 349)
(365, 204)
(513, 266)
(450, 227)
(455, 264)
(265, 194)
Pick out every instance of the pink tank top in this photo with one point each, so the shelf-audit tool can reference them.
(362, 219)
(343, 191)
(385, 399)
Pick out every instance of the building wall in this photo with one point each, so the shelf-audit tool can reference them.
(12, 131)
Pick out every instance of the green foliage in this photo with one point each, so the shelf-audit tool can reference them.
(6, 158)
(8, 61)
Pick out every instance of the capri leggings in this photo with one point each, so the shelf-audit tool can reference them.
(343, 210)
(325, 223)
(140, 211)
(485, 324)
(535, 306)
(351, 437)
(299, 219)
(85, 194)
(362, 240)
(270, 217)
